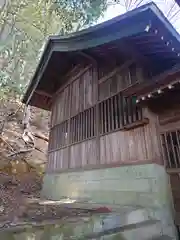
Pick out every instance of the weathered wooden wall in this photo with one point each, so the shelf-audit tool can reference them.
(138, 145)
(95, 125)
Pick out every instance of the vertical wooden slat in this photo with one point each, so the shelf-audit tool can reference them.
(105, 116)
(80, 126)
(76, 126)
(54, 138)
(167, 150)
(91, 113)
(112, 115)
(126, 110)
(108, 115)
(57, 140)
(73, 130)
(121, 110)
(86, 124)
(64, 134)
(100, 111)
(61, 133)
(173, 150)
(116, 112)
(162, 141)
(90, 123)
(131, 111)
(178, 150)
(60, 138)
(138, 113)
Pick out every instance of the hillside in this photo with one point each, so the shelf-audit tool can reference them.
(21, 162)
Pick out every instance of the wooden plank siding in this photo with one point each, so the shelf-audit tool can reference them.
(137, 145)
(90, 118)
(82, 95)
(60, 110)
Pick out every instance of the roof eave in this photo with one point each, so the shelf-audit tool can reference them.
(79, 43)
(89, 38)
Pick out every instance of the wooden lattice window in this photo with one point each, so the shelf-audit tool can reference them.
(117, 112)
(82, 126)
(110, 113)
(59, 136)
(171, 148)
(131, 111)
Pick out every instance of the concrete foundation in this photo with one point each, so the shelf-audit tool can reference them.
(140, 193)
(140, 185)
(144, 186)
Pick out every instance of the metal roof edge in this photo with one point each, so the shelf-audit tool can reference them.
(159, 14)
(31, 83)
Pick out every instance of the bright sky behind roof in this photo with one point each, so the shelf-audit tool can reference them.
(168, 7)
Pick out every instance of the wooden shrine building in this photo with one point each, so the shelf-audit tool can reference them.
(114, 94)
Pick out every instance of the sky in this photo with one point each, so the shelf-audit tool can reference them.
(168, 7)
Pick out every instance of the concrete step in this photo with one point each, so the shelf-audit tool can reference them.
(140, 231)
(144, 231)
(124, 217)
(163, 237)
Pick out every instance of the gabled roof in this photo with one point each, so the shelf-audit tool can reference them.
(146, 27)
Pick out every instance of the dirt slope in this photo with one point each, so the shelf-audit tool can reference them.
(21, 169)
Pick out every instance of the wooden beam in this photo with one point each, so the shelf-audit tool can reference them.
(106, 165)
(42, 93)
(128, 47)
(71, 80)
(88, 57)
(136, 124)
(116, 70)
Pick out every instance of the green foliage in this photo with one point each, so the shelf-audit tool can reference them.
(25, 26)
(79, 13)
